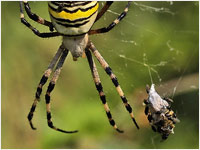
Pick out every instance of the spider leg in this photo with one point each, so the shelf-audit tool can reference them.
(108, 70)
(37, 18)
(100, 89)
(113, 24)
(34, 30)
(42, 82)
(50, 89)
(103, 10)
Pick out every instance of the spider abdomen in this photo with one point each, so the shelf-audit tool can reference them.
(73, 18)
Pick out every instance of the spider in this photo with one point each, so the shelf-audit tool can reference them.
(159, 113)
(73, 21)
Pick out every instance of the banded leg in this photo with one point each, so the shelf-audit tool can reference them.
(50, 89)
(34, 30)
(103, 10)
(100, 89)
(108, 70)
(42, 82)
(37, 18)
(113, 24)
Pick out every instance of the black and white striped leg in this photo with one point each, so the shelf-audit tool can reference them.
(37, 18)
(50, 89)
(113, 24)
(100, 89)
(108, 70)
(42, 82)
(103, 10)
(34, 30)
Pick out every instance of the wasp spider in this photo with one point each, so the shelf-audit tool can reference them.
(159, 113)
(73, 21)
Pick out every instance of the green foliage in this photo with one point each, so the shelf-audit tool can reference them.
(167, 39)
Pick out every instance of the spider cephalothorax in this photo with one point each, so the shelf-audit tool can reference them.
(158, 110)
(73, 21)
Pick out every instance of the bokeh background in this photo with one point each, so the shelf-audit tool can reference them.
(161, 36)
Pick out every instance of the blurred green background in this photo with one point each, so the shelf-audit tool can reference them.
(163, 36)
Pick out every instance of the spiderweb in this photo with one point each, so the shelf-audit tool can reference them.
(168, 43)
(181, 62)
(157, 42)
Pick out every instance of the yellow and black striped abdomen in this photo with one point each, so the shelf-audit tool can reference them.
(73, 18)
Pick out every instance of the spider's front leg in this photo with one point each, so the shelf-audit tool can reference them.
(108, 70)
(42, 82)
(113, 24)
(37, 19)
(103, 10)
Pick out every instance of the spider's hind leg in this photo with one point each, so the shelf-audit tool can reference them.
(42, 82)
(100, 89)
